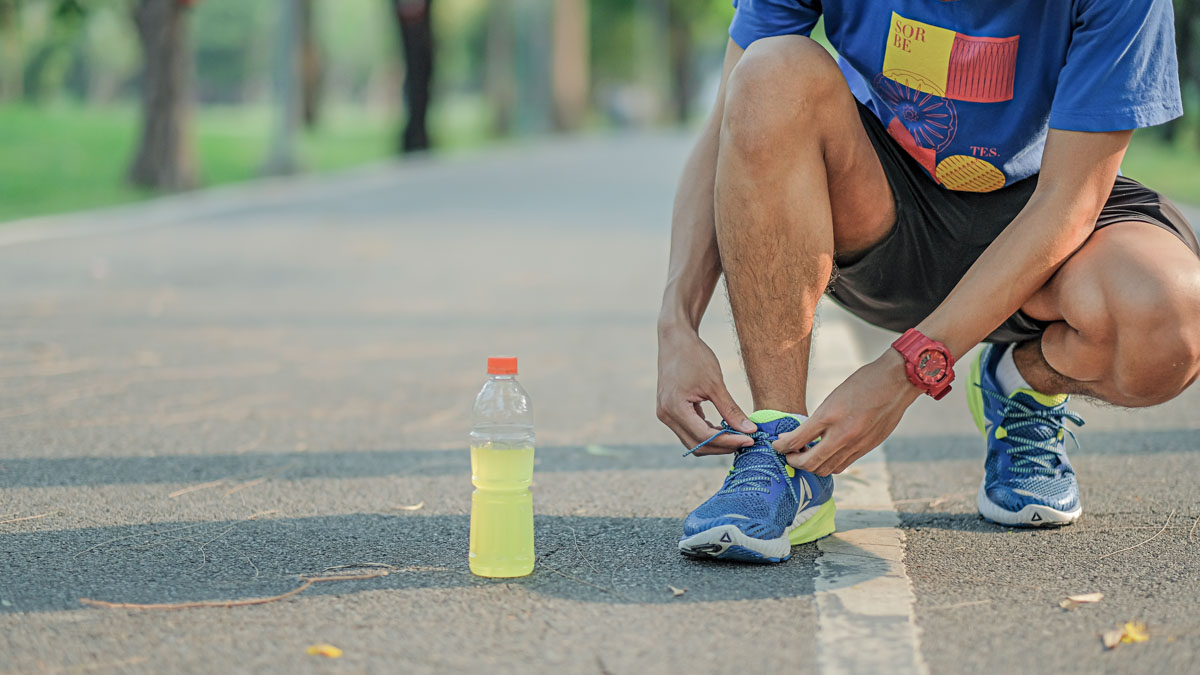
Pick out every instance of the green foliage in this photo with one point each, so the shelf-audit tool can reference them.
(67, 157)
(1171, 168)
(232, 46)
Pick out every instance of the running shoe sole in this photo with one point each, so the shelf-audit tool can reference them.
(1033, 515)
(727, 542)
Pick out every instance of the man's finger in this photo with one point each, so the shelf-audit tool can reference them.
(697, 428)
(795, 440)
(831, 463)
(731, 413)
(814, 458)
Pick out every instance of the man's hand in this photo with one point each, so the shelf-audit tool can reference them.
(854, 419)
(689, 374)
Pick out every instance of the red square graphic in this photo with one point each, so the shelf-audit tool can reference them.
(982, 69)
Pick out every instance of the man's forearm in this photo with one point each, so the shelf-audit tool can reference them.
(695, 264)
(1009, 272)
(1078, 171)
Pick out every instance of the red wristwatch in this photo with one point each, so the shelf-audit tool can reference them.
(928, 363)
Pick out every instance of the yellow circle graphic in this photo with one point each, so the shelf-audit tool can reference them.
(969, 174)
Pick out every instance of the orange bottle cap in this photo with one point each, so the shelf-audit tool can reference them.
(502, 365)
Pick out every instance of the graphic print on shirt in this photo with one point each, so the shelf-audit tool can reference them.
(925, 69)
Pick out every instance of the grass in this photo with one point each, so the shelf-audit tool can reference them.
(1173, 169)
(66, 157)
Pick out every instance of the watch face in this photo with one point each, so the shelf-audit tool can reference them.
(931, 366)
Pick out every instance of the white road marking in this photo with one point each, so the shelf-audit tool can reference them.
(865, 601)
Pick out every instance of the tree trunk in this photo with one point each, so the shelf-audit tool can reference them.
(164, 158)
(680, 38)
(500, 76)
(311, 74)
(285, 75)
(12, 66)
(569, 63)
(416, 39)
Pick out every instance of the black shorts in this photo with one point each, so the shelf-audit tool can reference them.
(939, 234)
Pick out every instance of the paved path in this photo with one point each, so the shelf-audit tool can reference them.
(204, 399)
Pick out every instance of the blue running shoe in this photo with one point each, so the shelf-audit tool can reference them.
(1027, 480)
(765, 506)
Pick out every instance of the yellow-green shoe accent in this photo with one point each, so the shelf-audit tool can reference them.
(819, 525)
(1048, 400)
(764, 416)
(975, 395)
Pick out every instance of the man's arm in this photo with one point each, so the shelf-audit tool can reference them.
(1077, 174)
(688, 371)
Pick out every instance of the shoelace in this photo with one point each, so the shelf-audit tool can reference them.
(756, 477)
(1030, 454)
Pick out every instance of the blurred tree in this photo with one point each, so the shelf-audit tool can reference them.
(500, 78)
(570, 63)
(231, 46)
(281, 157)
(11, 80)
(683, 19)
(416, 39)
(164, 158)
(47, 69)
(1187, 42)
(311, 72)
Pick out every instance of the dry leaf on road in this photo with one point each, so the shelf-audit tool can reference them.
(412, 507)
(1112, 638)
(1135, 631)
(324, 650)
(676, 592)
(1073, 601)
(1132, 631)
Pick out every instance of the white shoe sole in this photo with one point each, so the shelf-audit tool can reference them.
(727, 542)
(1033, 515)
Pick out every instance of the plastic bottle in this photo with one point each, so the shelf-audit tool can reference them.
(502, 470)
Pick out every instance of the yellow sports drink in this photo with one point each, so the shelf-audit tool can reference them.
(502, 470)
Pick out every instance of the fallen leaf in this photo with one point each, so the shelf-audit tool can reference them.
(1073, 601)
(1112, 638)
(1135, 631)
(1132, 631)
(676, 592)
(324, 650)
(412, 507)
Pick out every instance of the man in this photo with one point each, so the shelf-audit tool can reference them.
(954, 178)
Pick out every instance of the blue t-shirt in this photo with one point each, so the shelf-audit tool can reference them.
(969, 89)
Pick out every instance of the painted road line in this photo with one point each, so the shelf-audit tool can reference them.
(865, 601)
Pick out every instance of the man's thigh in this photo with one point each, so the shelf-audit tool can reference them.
(786, 93)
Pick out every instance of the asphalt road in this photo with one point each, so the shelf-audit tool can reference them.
(205, 399)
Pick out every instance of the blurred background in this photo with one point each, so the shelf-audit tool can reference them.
(108, 101)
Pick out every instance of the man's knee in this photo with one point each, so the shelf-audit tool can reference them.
(1158, 337)
(777, 90)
